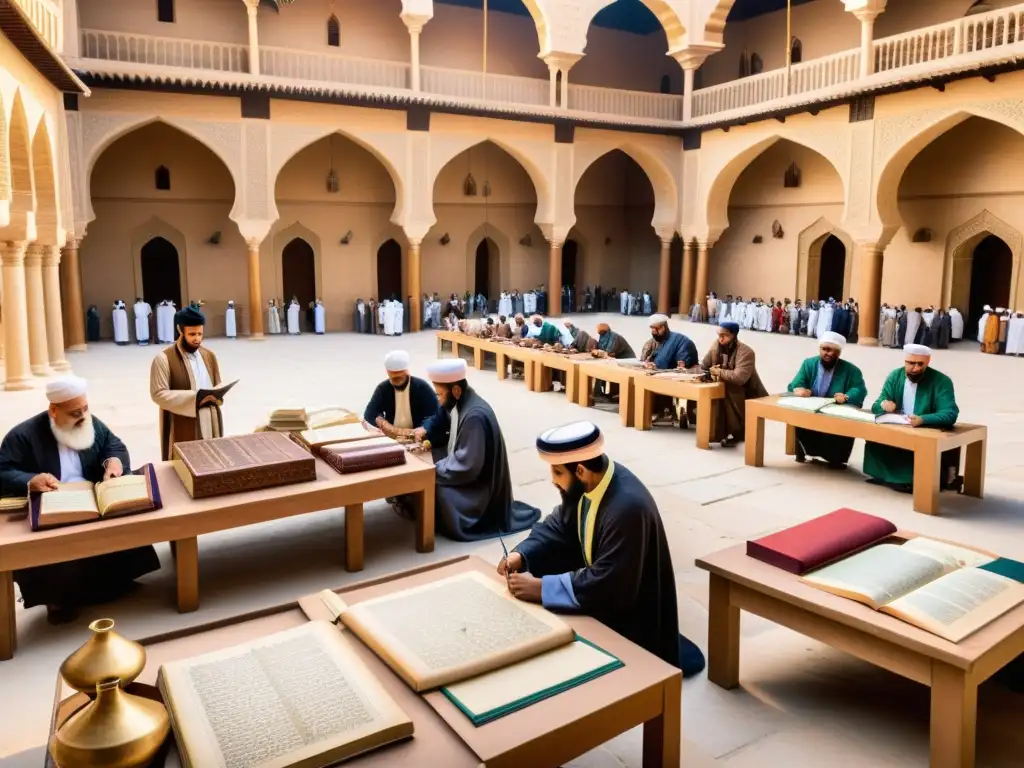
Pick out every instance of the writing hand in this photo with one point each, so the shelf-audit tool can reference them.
(801, 392)
(841, 398)
(511, 564)
(916, 421)
(113, 468)
(888, 406)
(525, 587)
(648, 366)
(43, 482)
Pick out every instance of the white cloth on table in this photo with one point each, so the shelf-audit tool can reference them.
(230, 326)
(293, 319)
(121, 326)
(319, 319)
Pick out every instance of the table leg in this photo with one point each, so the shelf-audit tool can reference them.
(954, 714)
(354, 538)
(542, 377)
(663, 735)
(425, 519)
(8, 627)
(705, 407)
(586, 391)
(926, 481)
(643, 404)
(790, 440)
(626, 408)
(723, 635)
(440, 346)
(529, 374)
(974, 469)
(755, 442)
(455, 349)
(502, 362)
(478, 358)
(188, 574)
(570, 383)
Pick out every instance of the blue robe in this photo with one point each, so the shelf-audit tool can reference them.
(676, 349)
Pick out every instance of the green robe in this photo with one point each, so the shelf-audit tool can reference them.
(549, 334)
(847, 380)
(935, 403)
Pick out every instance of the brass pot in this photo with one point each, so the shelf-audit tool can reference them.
(117, 730)
(105, 655)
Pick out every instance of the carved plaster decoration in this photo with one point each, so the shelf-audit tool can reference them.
(858, 191)
(257, 202)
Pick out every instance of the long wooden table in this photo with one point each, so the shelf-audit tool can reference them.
(457, 339)
(646, 691)
(705, 395)
(183, 519)
(546, 362)
(927, 444)
(505, 352)
(610, 371)
(952, 670)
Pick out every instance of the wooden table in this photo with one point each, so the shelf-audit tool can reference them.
(549, 733)
(610, 371)
(705, 395)
(183, 519)
(953, 670)
(505, 352)
(457, 339)
(568, 364)
(927, 444)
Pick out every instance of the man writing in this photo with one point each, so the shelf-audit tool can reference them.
(610, 345)
(668, 350)
(733, 362)
(65, 444)
(927, 399)
(402, 401)
(543, 331)
(828, 376)
(603, 550)
(175, 376)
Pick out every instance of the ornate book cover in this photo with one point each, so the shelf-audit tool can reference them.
(376, 457)
(241, 463)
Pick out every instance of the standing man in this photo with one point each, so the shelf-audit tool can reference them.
(142, 311)
(120, 318)
(175, 376)
(927, 398)
(319, 318)
(230, 326)
(65, 444)
(603, 551)
(828, 376)
(293, 317)
(733, 362)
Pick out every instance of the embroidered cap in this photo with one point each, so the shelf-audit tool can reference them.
(396, 360)
(447, 371)
(571, 443)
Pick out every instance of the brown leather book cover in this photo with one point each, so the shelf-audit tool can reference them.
(241, 463)
(806, 546)
(347, 462)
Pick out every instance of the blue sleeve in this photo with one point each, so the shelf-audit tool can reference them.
(375, 407)
(556, 593)
(689, 354)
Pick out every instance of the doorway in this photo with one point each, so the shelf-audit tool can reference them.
(161, 275)
(298, 270)
(570, 252)
(389, 271)
(675, 278)
(486, 268)
(991, 270)
(833, 269)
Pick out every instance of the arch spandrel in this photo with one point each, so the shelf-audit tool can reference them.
(571, 21)
(960, 244)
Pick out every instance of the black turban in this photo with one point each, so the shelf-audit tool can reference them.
(187, 317)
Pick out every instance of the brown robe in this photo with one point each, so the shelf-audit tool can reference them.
(172, 387)
(990, 341)
(741, 383)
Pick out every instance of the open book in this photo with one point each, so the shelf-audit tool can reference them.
(216, 392)
(84, 501)
(301, 697)
(941, 588)
(340, 433)
(829, 407)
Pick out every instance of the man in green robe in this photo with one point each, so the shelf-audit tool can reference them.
(926, 397)
(543, 331)
(828, 376)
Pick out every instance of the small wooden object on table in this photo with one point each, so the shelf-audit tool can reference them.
(953, 670)
(503, 352)
(609, 371)
(705, 395)
(927, 444)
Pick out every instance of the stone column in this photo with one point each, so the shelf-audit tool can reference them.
(554, 278)
(687, 93)
(415, 287)
(552, 85)
(414, 41)
(700, 288)
(251, 7)
(686, 285)
(867, 40)
(54, 319)
(565, 88)
(665, 270)
(255, 295)
(870, 296)
(38, 359)
(17, 375)
(73, 293)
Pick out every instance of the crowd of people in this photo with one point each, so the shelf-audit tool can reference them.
(790, 317)
(388, 317)
(1001, 332)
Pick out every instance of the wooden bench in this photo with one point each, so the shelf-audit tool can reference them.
(705, 395)
(609, 371)
(927, 444)
(952, 670)
(183, 519)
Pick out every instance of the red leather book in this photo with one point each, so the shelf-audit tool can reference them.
(348, 462)
(806, 546)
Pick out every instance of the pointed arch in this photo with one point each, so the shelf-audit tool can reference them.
(44, 172)
(501, 241)
(333, 31)
(23, 193)
(5, 158)
(664, 12)
(959, 256)
(540, 21)
(666, 195)
(282, 237)
(808, 264)
(154, 228)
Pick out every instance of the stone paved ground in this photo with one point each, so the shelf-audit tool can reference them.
(800, 704)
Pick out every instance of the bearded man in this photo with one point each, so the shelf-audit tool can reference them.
(828, 376)
(65, 444)
(733, 362)
(668, 350)
(401, 401)
(603, 551)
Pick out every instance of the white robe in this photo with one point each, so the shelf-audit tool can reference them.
(293, 319)
(956, 321)
(399, 309)
(981, 326)
(165, 323)
(382, 309)
(1015, 336)
(623, 302)
(319, 318)
(142, 313)
(389, 318)
(812, 321)
(121, 326)
(913, 326)
(230, 328)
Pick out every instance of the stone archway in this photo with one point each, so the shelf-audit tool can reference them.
(161, 272)
(141, 238)
(959, 258)
(808, 266)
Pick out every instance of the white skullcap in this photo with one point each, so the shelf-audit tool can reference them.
(917, 349)
(658, 319)
(987, 308)
(396, 360)
(65, 388)
(832, 338)
(1000, 310)
(447, 371)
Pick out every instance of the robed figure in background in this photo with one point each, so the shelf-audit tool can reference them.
(319, 318)
(230, 325)
(175, 377)
(473, 495)
(65, 444)
(273, 317)
(165, 322)
(120, 319)
(142, 311)
(92, 323)
(293, 317)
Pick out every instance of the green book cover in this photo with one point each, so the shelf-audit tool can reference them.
(1004, 566)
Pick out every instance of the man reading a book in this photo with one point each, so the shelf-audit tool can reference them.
(828, 376)
(926, 397)
(473, 494)
(603, 550)
(65, 444)
(176, 375)
(402, 401)
(668, 350)
(733, 362)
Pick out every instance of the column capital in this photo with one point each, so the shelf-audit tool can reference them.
(12, 253)
(865, 10)
(414, 22)
(252, 6)
(560, 59)
(51, 256)
(33, 256)
(692, 57)
(414, 242)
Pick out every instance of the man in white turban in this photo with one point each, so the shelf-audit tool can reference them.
(401, 401)
(826, 375)
(65, 444)
(927, 399)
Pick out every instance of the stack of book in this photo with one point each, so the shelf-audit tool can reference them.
(301, 419)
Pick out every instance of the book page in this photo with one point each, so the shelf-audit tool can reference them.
(877, 576)
(121, 491)
(900, 419)
(959, 603)
(951, 555)
(805, 403)
(342, 433)
(70, 498)
(282, 699)
(329, 417)
(851, 412)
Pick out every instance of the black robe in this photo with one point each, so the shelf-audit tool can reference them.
(473, 496)
(29, 449)
(629, 585)
(92, 324)
(422, 403)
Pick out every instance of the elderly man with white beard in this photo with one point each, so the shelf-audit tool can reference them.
(65, 444)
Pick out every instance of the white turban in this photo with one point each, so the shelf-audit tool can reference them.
(917, 349)
(658, 319)
(396, 361)
(447, 371)
(833, 339)
(65, 388)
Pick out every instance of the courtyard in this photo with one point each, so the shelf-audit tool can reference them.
(800, 703)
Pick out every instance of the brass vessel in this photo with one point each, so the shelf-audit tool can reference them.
(117, 730)
(106, 654)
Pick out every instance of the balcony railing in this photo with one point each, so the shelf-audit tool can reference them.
(45, 17)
